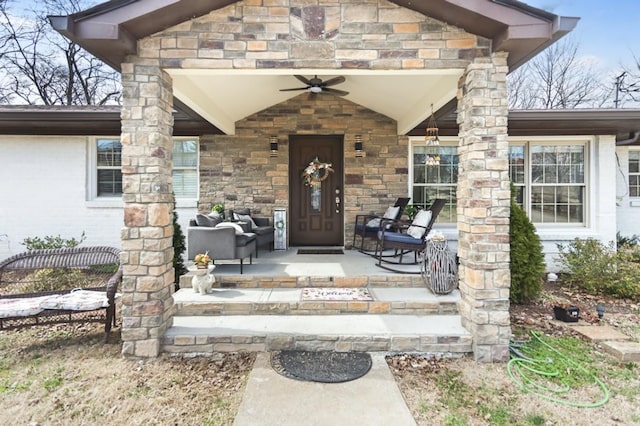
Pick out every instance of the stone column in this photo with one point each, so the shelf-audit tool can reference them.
(147, 238)
(483, 206)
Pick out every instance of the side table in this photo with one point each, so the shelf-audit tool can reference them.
(438, 267)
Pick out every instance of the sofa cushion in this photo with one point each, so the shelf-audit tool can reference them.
(235, 226)
(263, 230)
(245, 218)
(244, 239)
(21, 307)
(78, 300)
(244, 211)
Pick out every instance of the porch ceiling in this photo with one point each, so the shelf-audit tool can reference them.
(223, 97)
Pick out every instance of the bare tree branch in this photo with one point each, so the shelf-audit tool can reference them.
(557, 79)
(39, 66)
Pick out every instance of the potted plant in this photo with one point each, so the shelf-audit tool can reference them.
(411, 211)
(218, 209)
(202, 260)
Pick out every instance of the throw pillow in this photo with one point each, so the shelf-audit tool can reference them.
(245, 218)
(422, 219)
(238, 228)
(204, 220)
(391, 213)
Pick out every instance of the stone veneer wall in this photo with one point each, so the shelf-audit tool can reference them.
(483, 207)
(255, 34)
(239, 171)
(147, 239)
(293, 34)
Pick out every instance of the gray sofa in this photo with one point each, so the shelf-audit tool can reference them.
(205, 234)
(263, 229)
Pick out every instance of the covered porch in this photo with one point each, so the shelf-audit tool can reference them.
(453, 57)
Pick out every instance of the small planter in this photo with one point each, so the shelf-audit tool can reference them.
(566, 314)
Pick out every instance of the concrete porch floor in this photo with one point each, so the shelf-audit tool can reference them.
(289, 263)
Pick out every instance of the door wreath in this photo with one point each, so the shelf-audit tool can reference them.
(316, 172)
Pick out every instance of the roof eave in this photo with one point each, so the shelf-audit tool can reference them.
(110, 30)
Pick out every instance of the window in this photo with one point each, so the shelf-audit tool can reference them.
(557, 184)
(185, 168)
(634, 173)
(109, 175)
(108, 162)
(435, 181)
(549, 176)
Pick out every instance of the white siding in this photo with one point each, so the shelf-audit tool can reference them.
(628, 209)
(43, 191)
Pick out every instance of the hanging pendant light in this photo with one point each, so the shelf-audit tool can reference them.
(432, 139)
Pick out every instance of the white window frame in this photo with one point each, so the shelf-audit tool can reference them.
(590, 168)
(589, 164)
(629, 173)
(93, 200)
(448, 141)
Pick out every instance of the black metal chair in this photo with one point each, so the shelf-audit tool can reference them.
(367, 225)
(412, 240)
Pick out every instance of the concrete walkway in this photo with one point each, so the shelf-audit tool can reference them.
(271, 399)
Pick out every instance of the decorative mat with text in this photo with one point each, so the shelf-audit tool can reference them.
(335, 294)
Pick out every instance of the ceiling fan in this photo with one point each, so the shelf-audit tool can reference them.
(317, 86)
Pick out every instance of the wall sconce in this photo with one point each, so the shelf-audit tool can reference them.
(273, 145)
(358, 146)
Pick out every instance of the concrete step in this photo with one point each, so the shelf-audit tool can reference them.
(279, 301)
(433, 334)
(248, 280)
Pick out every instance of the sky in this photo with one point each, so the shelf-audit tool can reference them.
(608, 30)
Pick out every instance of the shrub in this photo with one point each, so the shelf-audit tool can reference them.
(589, 263)
(178, 248)
(51, 242)
(624, 241)
(597, 268)
(527, 259)
(56, 279)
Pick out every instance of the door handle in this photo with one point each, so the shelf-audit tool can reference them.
(337, 199)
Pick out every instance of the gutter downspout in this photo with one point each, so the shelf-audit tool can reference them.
(630, 141)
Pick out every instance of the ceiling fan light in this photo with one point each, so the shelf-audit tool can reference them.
(315, 89)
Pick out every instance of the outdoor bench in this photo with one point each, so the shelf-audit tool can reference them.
(54, 286)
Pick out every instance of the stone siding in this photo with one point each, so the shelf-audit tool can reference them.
(238, 171)
(256, 34)
(484, 207)
(147, 238)
(297, 34)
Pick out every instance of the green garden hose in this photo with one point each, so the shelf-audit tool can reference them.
(523, 371)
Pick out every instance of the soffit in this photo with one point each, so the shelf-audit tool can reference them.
(225, 97)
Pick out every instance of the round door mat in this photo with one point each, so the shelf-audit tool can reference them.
(323, 367)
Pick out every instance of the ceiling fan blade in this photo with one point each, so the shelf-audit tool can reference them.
(297, 88)
(334, 81)
(303, 79)
(337, 92)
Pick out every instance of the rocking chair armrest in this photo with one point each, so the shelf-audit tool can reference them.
(366, 217)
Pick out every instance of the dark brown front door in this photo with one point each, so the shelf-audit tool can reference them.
(316, 217)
